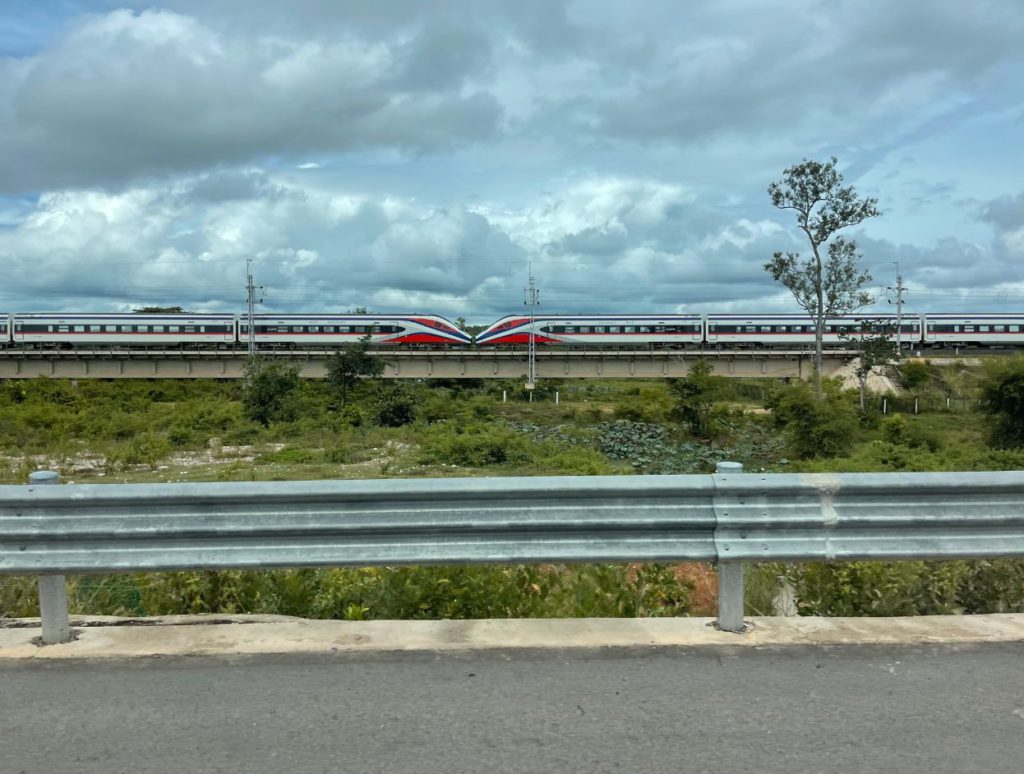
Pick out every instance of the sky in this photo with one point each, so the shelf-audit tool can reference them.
(415, 156)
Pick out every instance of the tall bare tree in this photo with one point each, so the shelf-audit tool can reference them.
(822, 287)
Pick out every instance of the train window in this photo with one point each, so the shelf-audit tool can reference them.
(1014, 329)
(614, 329)
(584, 329)
(629, 329)
(79, 329)
(983, 328)
(95, 328)
(751, 329)
(570, 329)
(968, 329)
(111, 328)
(141, 328)
(313, 329)
(158, 329)
(999, 328)
(766, 329)
(63, 329)
(189, 329)
(173, 328)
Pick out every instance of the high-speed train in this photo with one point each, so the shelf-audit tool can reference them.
(747, 331)
(59, 330)
(66, 330)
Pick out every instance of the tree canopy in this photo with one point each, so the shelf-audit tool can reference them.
(354, 361)
(271, 392)
(823, 287)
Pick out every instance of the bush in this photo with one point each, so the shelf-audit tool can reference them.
(696, 395)
(270, 393)
(897, 430)
(815, 427)
(395, 406)
(146, 449)
(1002, 398)
(908, 588)
(475, 446)
(914, 374)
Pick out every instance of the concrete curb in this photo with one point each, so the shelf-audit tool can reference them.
(108, 637)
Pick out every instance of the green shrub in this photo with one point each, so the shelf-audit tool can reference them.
(395, 406)
(815, 427)
(244, 434)
(1002, 398)
(914, 374)
(475, 446)
(271, 392)
(339, 454)
(183, 435)
(145, 449)
(908, 588)
(353, 416)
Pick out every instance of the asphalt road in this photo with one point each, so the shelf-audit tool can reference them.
(857, 708)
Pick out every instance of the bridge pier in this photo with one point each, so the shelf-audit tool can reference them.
(412, 364)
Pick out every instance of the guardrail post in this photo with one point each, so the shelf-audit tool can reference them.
(730, 578)
(53, 590)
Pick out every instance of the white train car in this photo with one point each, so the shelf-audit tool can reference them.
(60, 329)
(974, 330)
(626, 330)
(5, 330)
(797, 331)
(289, 330)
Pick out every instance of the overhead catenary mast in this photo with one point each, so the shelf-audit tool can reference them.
(251, 301)
(899, 306)
(532, 300)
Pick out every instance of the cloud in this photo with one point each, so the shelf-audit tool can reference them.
(596, 244)
(129, 95)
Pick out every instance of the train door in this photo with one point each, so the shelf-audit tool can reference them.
(697, 335)
(712, 330)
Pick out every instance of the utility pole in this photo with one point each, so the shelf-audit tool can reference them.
(899, 307)
(532, 300)
(250, 292)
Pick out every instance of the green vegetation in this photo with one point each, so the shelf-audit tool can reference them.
(696, 396)
(97, 431)
(549, 591)
(814, 427)
(823, 206)
(1002, 398)
(269, 392)
(351, 363)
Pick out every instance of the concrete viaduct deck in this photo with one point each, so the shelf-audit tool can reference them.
(415, 364)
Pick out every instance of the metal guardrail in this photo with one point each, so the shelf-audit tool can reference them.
(728, 518)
